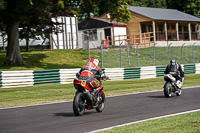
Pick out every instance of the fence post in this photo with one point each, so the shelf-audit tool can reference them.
(88, 46)
(128, 53)
(154, 54)
(137, 56)
(168, 51)
(121, 54)
(101, 49)
(182, 53)
(193, 51)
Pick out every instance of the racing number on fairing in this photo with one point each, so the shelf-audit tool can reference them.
(83, 82)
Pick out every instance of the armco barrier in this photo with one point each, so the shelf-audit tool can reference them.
(189, 69)
(68, 75)
(115, 73)
(132, 73)
(160, 71)
(197, 68)
(46, 77)
(147, 72)
(0, 79)
(16, 78)
(10, 79)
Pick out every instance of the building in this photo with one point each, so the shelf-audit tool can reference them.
(150, 25)
(94, 30)
(162, 25)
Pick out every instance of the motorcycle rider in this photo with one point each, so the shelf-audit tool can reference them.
(175, 70)
(91, 72)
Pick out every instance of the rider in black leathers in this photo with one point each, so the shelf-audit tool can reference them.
(175, 70)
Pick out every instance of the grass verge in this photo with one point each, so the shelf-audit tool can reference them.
(38, 94)
(185, 123)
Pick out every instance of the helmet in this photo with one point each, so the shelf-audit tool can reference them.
(173, 62)
(94, 61)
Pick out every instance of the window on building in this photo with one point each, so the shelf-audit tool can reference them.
(92, 34)
(150, 28)
(168, 26)
(179, 28)
(143, 28)
(193, 28)
(160, 28)
(173, 27)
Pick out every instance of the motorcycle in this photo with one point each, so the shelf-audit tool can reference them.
(83, 98)
(172, 86)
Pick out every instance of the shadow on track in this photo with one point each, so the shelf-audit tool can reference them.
(156, 96)
(71, 114)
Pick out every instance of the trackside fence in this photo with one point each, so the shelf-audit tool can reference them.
(10, 79)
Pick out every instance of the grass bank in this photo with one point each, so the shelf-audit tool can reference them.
(67, 58)
(38, 94)
(186, 123)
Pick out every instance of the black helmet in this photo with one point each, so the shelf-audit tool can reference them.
(173, 62)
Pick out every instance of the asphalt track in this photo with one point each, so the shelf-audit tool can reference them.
(59, 117)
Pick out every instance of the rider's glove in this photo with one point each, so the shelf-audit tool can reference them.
(77, 75)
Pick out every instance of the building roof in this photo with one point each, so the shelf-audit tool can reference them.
(164, 14)
(96, 22)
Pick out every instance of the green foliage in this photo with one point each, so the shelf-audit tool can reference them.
(148, 3)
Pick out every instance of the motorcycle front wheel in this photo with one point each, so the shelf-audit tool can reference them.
(101, 104)
(79, 104)
(179, 92)
(168, 90)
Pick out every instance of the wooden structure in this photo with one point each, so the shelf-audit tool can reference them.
(156, 24)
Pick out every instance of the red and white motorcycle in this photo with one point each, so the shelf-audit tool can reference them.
(84, 100)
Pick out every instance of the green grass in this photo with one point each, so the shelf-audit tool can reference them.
(38, 94)
(186, 123)
(64, 58)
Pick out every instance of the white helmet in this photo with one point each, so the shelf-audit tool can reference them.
(94, 61)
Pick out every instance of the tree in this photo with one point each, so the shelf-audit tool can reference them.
(189, 6)
(148, 3)
(35, 15)
(18, 11)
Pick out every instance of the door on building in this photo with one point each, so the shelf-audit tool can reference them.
(108, 35)
(186, 33)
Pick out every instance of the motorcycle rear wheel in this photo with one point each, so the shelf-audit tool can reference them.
(168, 90)
(79, 104)
(101, 105)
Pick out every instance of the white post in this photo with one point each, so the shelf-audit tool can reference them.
(189, 29)
(198, 32)
(154, 30)
(177, 32)
(166, 35)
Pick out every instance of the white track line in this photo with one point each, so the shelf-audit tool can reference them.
(108, 128)
(71, 100)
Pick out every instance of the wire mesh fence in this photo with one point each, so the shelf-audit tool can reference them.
(125, 55)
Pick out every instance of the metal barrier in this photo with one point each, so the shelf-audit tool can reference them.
(132, 73)
(197, 68)
(46, 77)
(189, 69)
(10, 79)
(17, 78)
(160, 71)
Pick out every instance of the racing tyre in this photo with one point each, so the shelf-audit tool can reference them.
(79, 104)
(101, 104)
(168, 90)
(179, 92)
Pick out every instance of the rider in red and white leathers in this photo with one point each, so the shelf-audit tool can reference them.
(91, 72)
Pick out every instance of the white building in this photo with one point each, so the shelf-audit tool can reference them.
(92, 31)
